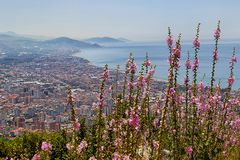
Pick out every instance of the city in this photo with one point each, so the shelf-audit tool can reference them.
(34, 94)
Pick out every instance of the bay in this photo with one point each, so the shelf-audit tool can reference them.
(158, 54)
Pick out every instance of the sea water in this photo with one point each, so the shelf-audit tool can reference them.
(158, 54)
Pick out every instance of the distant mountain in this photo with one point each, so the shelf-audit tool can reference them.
(103, 40)
(13, 41)
(35, 37)
(65, 41)
(124, 39)
(10, 33)
(14, 44)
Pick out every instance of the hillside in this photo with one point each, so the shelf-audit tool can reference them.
(65, 41)
(106, 40)
(12, 44)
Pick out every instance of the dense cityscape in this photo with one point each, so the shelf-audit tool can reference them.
(34, 94)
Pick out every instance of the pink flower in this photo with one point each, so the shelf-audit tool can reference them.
(169, 41)
(229, 104)
(189, 150)
(179, 99)
(69, 146)
(203, 107)
(217, 33)
(172, 91)
(36, 157)
(176, 52)
(231, 80)
(118, 142)
(201, 86)
(169, 60)
(101, 102)
(134, 120)
(105, 74)
(236, 124)
(46, 146)
(92, 158)
(155, 122)
(196, 43)
(215, 55)
(76, 125)
(177, 65)
(195, 64)
(83, 145)
(186, 80)
(150, 73)
(194, 100)
(147, 63)
(111, 122)
(155, 144)
(225, 154)
(141, 81)
(133, 68)
(213, 100)
(188, 64)
(130, 85)
(116, 156)
(95, 105)
(126, 157)
(233, 141)
(234, 59)
(174, 131)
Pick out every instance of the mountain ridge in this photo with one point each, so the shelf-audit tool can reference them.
(71, 42)
(100, 40)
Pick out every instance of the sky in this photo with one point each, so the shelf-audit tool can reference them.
(139, 20)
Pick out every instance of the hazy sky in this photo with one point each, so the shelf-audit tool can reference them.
(133, 19)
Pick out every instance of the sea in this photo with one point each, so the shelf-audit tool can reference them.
(158, 53)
